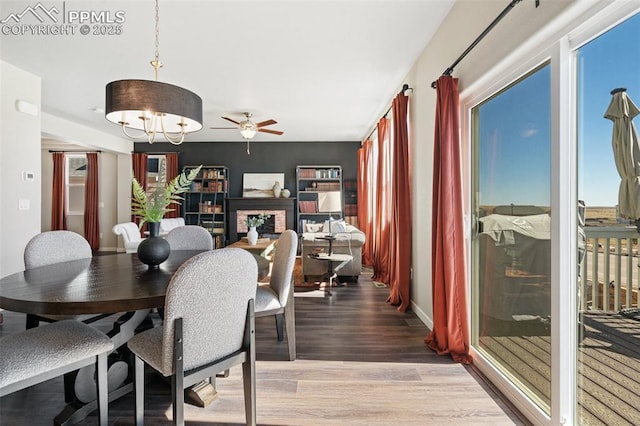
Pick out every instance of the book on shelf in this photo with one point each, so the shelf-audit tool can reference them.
(308, 206)
(307, 173)
(327, 186)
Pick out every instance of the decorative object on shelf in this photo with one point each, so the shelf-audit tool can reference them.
(252, 236)
(285, 193)
(154, 249)
(150, 207)
(277, 189)
(152, 106)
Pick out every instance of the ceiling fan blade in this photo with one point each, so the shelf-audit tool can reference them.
(275, 132)
(266, 123)
(231, 120)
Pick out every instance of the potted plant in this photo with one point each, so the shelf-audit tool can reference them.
(150, 207)
(253, 222)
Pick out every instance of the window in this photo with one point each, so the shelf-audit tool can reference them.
(76, 175)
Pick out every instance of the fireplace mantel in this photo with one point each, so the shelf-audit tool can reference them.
(261, 204)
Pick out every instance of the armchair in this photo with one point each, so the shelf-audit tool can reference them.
(130, 235)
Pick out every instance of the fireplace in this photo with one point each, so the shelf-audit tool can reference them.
(275, 224)
(280, 209)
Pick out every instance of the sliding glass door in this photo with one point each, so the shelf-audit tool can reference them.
(511, 247)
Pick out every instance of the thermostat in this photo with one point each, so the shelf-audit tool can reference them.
(28, 176)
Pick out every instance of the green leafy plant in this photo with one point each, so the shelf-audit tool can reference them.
(151, 206)
(255, 221)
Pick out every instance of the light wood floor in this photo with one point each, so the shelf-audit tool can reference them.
(360, 362)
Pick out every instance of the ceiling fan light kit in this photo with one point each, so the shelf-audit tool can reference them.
(248, 128)
(153, 107)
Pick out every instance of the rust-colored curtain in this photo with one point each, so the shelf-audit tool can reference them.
(139, 160)
(172, 172)
(382, 210)
(58, 193)
(365, 199)
(450, 331)
(400, 224)
(91, 197)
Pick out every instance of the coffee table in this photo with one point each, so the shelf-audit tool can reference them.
(332, 271)
(262, 248)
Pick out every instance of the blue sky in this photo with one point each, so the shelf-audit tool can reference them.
(610, 61)
(514, 127)
(514, 143)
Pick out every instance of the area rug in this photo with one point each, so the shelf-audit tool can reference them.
(312, 280)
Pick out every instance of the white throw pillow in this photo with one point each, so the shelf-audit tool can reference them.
(336, 226)
(314, 227)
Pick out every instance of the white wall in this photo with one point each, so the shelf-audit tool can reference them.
(19, 151)
(461, 27)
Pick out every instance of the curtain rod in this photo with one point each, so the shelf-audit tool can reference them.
(77, 152)
(486, 31)
(157, 153)
(405, 87)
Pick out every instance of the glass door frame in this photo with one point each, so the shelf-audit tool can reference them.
(557, 44)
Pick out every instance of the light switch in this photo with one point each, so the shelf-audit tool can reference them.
(24, 204)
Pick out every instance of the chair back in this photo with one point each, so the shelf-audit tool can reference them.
(211, 293)
(283, 263)
(48, 248)
(189, 237)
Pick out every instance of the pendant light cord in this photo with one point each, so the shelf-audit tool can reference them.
(156, 64)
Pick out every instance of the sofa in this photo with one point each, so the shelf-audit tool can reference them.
(167, 224)
(347, 241)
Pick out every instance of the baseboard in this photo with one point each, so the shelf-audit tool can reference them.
(423, 317)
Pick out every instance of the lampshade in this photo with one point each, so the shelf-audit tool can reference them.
(153, 107)
(132, 103)
(330, 201)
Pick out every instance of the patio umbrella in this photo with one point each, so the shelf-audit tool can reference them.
(626, 152)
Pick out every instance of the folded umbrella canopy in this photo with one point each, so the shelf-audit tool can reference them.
(626, 152)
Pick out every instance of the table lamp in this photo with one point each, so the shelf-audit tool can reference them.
(330, 201)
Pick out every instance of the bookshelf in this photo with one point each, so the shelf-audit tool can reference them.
(204, 203)
(316, 186)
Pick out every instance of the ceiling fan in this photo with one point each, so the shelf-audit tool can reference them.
(248, 128)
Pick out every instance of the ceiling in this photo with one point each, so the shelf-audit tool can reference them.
(324, 70)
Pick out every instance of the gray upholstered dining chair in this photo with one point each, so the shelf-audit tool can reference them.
(276, 298)
(190, 237)
(208, 327)
(43, 353)
(48, 248)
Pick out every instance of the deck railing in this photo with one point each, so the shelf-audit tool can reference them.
(612, 257)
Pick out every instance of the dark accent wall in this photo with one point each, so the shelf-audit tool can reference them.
(266, 157)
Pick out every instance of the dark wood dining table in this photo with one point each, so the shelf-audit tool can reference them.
(106, 284)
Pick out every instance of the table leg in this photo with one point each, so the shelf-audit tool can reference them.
(80, 386)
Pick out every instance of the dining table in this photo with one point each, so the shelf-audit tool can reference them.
(117, 284)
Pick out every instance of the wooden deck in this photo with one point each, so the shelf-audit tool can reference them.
(608, 367)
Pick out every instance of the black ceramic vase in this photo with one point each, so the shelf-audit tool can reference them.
(153, 250)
